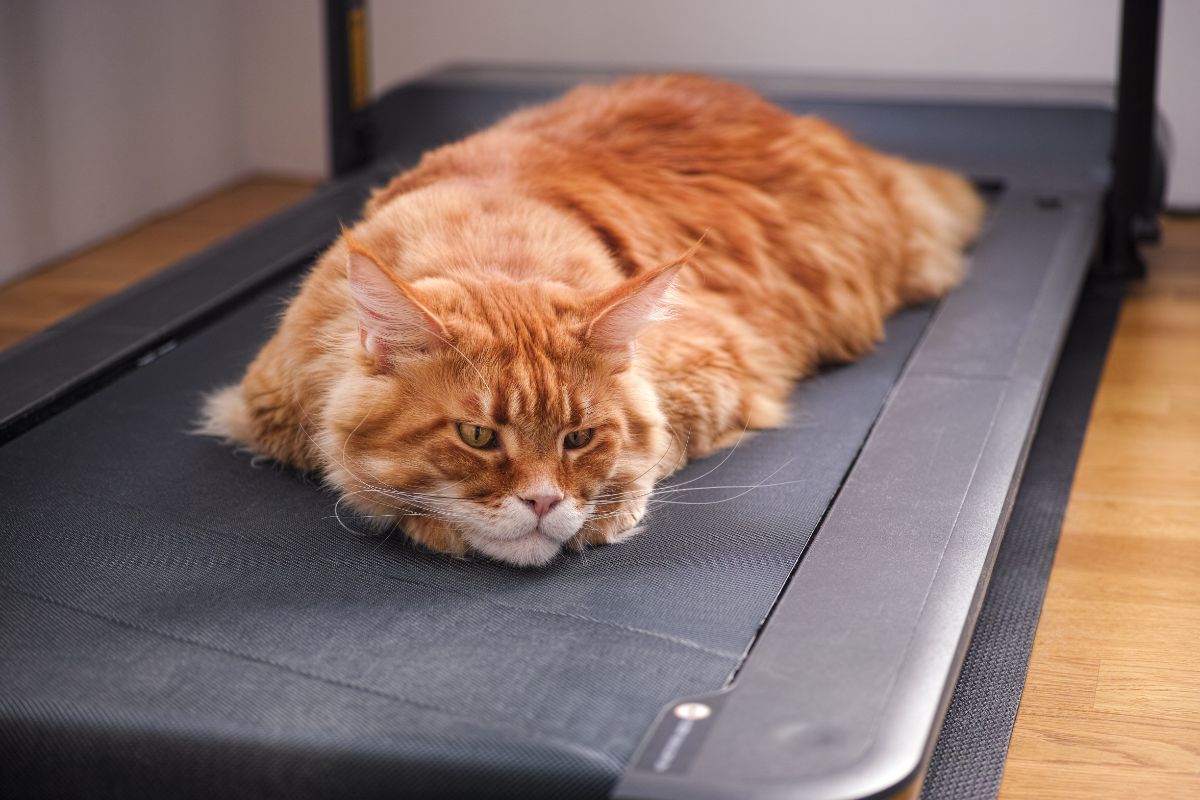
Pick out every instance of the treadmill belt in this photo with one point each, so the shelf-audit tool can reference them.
(178, 617)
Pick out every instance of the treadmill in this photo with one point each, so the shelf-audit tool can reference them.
(179, 619)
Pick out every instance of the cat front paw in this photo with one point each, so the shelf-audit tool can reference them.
(613, 523)
(621, 536)
(435, 535)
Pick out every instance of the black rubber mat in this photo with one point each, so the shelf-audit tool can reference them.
(969, 757)
(177, 620)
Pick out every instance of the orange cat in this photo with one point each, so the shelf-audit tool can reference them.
(523, 334)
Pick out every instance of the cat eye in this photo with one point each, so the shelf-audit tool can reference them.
(477, 435)
(576, 439)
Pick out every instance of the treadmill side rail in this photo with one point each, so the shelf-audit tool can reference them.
(904, 555)
(64, 363)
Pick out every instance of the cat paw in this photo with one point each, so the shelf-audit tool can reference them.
(435, 535)
(613, 526)
(621, 536)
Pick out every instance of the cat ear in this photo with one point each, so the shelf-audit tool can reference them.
(391, 318)
(627, 310)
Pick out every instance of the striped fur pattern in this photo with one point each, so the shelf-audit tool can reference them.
(648, 266)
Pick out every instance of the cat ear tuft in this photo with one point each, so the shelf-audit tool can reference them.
(627, 310)
(392, 321)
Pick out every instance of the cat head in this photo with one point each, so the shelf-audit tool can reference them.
(495, 416)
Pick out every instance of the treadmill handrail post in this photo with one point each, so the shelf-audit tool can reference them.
(348, 85)
(1133, 203)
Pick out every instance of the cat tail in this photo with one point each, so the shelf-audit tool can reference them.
(257, 416)
(965, 207)
(225, 415)
(945, 215)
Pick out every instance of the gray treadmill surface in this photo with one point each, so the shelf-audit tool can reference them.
(152, 574)
(170, 611)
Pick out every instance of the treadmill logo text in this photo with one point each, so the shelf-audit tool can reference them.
(686, 716)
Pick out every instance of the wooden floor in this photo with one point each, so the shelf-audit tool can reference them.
(1112, 701)
(63, 288)
(1112, 706)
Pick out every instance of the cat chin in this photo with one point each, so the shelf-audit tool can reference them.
(535, 549)
(511, 536)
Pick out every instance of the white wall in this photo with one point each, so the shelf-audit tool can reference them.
(1179, 98)
(1046, 40)
(108, 112)
(1061, 39)
(281, 86)
(1039, 40)
(112, 110)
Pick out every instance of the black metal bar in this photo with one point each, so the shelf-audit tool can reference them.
(349, 84)
(1133, 202)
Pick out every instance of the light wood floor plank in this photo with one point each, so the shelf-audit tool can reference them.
(70, 285)
(1112, 702)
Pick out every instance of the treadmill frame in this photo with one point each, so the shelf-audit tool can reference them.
(904, 553)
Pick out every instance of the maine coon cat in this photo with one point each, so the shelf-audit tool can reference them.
(534, 325)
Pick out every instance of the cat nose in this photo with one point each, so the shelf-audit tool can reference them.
(541, 504)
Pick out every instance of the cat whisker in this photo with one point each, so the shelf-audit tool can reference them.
(470, 363)
(682, 454)
(337, 516)
(400, 493)
(350, 435)
(426, 503)
(434, 494)
(418, 499)
(383, 516)
(721, 463)
(683, 446)
(403, 515)
(762, 484)
(433, 510)
(379, 546)
(325, 450)
(610, 496)
(673, 492)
